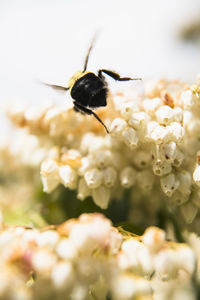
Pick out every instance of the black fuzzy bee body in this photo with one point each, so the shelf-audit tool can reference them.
(88, 90)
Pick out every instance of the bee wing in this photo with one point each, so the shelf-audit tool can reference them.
(89, 50)
(56, 87)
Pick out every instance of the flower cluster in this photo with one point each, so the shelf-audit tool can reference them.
(17, 177)
(87, 258)
(152, 149)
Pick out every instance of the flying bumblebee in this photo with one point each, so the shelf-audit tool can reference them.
(89, 91)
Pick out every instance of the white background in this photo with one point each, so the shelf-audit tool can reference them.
(48, 40)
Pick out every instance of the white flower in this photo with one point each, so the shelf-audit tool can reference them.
(86, 164)
(186, 259)
(177, 114)
(160, 134)
(92, 232)
(83, 189)
(138, 257)
(43, 260)
(151, 126)
(178, 198)
(179, 157)
(138, 120)
(154, 238)
(185, 180)
(126, 287)
(110, 176)
(151, 105)
(102, 158)
(169, 151)
(34, 113)
(189, 212)
(153, 145)
(166, 264)
(130, 138)
(195, 198)
(161, 168)
(47, 238)
(145, 180)
(187, 99)
(127, 109)
(63, 275)
(164, 115)
(118, 126)
(169, 184)
(50, 176)
(93, 178)
(196, 175)
(128, 177)
(176, 131)
(68, 176)
(101, 196)
(66, 249)
(142, 159)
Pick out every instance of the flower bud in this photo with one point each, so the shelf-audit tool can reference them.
(176, 131)
(187, 99)
(178, 198)
(138, 120)
(151, 105)
(145, 180)
(166, 264)
(109, 175)
(63, 274)
(154, 238)
(151, 125)
(101, 196)
(169, 184)
(66, 249)
(179, 157)
(169, 151)
(189, 212)
(130, 138)
(68, 177)
(48, 238)
(186, 259)
(93, 178)
(86, 164)
(160, 134)
(164, 115)
(196, 175)
(195, 198)
(161, 168)
(177, 114)
(102, 158)
(142, 159)
(118, 126)
(83, 189)
(185, 180)
(49, 175)
(128, 177)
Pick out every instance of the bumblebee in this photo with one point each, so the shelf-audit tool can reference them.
(88, 90)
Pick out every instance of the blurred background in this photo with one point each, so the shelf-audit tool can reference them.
(48, 40)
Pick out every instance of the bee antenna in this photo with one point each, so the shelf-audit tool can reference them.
(88, 53)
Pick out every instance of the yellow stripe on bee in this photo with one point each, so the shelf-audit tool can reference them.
(74, 78)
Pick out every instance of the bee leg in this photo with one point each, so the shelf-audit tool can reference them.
(78, 110)
(115, 75)
(83, 109)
